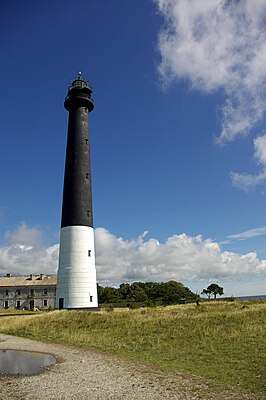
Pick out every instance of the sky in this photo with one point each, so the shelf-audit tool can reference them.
(178, 139)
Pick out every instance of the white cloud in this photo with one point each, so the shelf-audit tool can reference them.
(247, 181)
(220, 45)
(25, 252)
(251, 233)
(180, 257)
(24, 235)
(215, 45)
(260, 150)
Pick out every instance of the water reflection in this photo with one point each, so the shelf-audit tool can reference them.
(15, 362)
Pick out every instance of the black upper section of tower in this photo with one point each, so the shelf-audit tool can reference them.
(79, 94)
(77, 195)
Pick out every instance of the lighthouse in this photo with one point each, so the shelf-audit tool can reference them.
(76, 277)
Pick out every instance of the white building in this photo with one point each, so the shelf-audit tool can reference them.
(27, 292)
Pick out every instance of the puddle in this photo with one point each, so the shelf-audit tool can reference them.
(14, 362)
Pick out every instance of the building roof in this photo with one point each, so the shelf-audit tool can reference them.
(27, 280)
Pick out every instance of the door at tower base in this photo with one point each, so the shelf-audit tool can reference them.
(76, 288)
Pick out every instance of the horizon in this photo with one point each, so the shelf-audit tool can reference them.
(9, 275)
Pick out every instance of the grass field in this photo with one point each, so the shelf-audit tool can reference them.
(222, 341)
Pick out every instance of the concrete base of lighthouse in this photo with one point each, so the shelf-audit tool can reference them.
(76, 277)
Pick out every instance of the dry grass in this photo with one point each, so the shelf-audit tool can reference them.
(222, 341)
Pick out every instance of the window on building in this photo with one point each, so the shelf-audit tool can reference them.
(45, 303)
(45, 291)
(89, 253)
(7, 292)
(86, 141)
(18, 304)
(88, 213)
(32, 292)
(6, 303)
(91, 299)
(87, 175)
(18, 292)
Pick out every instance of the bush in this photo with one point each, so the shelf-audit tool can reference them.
(133, 306)
(149, 303)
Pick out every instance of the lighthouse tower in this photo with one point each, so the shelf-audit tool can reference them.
(76, 278)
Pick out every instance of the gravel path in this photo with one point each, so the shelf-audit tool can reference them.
(83, 374)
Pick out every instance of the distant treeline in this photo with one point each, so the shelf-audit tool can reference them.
(149, 293)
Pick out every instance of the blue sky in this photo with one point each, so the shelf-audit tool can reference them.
(178, 142)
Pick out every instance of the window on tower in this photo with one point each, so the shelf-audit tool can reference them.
(89, 253)
(88, 213)
(87, 176)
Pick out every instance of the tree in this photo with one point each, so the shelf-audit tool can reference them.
(100, 293)
(152, 289)
(132, 292)
(214, 289)
(170, 292)
(108, 295)
(206, 292)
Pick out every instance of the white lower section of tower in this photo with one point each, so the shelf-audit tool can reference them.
(76, 277)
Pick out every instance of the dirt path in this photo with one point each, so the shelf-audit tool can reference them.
(83, 374)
